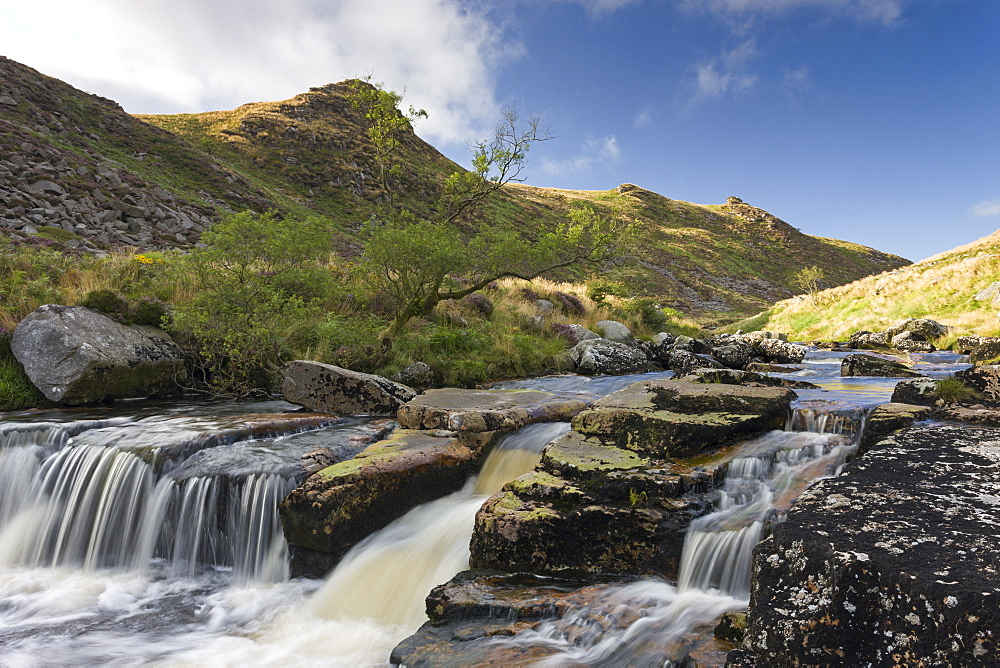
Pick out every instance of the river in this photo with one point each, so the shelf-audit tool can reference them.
(147, 534)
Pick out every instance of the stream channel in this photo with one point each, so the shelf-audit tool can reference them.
(148, 534)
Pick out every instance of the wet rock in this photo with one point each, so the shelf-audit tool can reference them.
(889, 418)
(736, 377)
(601, 356)
(76, 356)
(331, 389)
(780, 352)
(612, 330)
(919, 391)
(337, 507)
(860, 364)
(487, 410)
(667, 418)
(764, 367)
(732, 627)
(891, 563)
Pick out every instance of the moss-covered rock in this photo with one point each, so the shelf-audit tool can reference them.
(666, 418)
(337, 507)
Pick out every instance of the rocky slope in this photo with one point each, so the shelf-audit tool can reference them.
(77, 170)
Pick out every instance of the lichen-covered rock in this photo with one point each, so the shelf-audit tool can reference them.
(601, 356)
(867, 340)
(732, 627)
(487, 410)
(76, 356)
(966, 344)
(780, 352)
(983, 379)
(733, 355)
(331, 389)
(667, 418)
(576, 333)
(921, 329)
(894, 562)
(418, 376)
(860, 364)
(337, 507)
(985, 353)
(919, 391)
(910, 342)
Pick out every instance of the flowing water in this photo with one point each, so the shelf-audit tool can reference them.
(148, 535)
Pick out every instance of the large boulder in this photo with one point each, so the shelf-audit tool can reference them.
(964, 345)
(860, 364)
(780, 352)
(734, 355)
(867, 340)
(983, 379)
(893, 562)
(326, 388)
(985, 353)
(921, 329)
(601, 356)
(668, 418)
(612, 330)
(919, 391)
(78, 356)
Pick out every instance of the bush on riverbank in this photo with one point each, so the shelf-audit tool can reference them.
(262, 292)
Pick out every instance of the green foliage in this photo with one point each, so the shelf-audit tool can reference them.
(16, 391)
(809, 279)
(600, 289)
(952, 390)
(29, 277)
(108, 302)
(385, 124)
(637, 498)
(256, 280)
(648, 311)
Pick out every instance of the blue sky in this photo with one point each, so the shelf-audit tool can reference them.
(873, 121)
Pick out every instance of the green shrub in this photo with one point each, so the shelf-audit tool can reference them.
(648, 311)
(109, 303)
(952, 390)
(16, 391)
(600, 289)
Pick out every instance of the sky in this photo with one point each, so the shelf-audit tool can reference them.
(874, 121)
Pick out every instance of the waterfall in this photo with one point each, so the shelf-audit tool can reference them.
(101, 507)
(386, 577)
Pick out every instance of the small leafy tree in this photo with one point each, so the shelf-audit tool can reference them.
(385, 124)
(257, 279)
(808, 279)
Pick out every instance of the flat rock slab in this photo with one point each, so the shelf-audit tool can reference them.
(888, 418)
(337, 507)
(894, 562)
(487, 410)
(667, 418)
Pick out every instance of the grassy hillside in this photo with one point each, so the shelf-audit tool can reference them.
(942, 287)
(154, 182)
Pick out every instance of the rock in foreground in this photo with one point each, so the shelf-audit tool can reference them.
(78, 356)
(894, 562)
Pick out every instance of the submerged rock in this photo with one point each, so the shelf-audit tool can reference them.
(331, 389)
(78, 356)
(860, 364)
(891, 563)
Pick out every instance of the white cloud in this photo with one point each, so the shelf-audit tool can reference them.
(879, 11)
(593, 152)
(643, 119)
(598, 8)
(164, 56)
(987, 209)
(725, 74)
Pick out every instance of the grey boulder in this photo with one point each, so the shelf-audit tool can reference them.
(326, 388)
(600, 356)
(77, 356)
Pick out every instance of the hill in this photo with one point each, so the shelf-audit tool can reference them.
(953, 288)
(77, 170)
